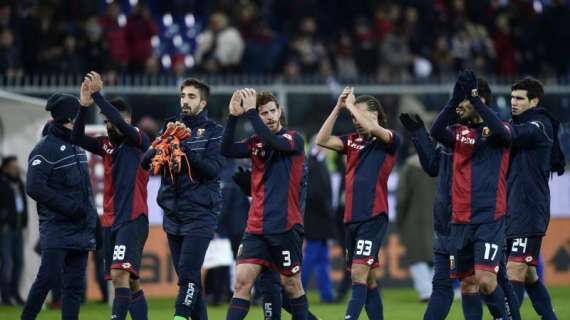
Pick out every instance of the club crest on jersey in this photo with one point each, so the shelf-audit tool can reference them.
(200, 132)
(486, 132)
(451, 262)
(288, 136)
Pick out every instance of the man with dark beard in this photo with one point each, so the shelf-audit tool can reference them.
(125, 216)
(190, 193)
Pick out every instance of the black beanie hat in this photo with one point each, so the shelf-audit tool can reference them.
(63, 107)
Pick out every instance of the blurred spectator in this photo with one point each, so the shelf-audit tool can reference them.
(506, 63)
(414, 203)
(396, 55)
(93, 48)
(318, 223)
(150, 126)
(115, 36)
(555, 36)
(460, 49)
(264, 50)
(13, 221)
(306, 48)
(345, 62)
(140, 29)
(9, 55)
(71, 61)
(365, 48)
(441, 57)
(220, 46)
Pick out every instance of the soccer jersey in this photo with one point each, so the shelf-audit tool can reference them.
(278, 183)
(478, 187)
(369, 163)
(125, 189)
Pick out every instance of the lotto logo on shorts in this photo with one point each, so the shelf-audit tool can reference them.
(496, 269)
(126, 265)
(528, 259)
(370, 261)
(295, 269)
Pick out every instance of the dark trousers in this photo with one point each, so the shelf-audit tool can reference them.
(11, 263)
(188, 254)
(58, 266)
(316, 258)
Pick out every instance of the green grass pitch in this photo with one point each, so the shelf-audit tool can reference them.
(399, 304)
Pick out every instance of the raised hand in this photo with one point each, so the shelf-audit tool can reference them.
(249, 98)
(85, 99)
(235, 107)
(341, 102)
(96, 83)
(411, 123)
(469, 83)
(350, 98)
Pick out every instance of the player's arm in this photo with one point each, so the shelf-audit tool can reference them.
(230, 148)
(283, 143)
(532, 134)
(325, 138)
(209, 162)
(147, 158)
(39, 169)
(130, 132)
(427, 151)
(499, 131)
(371, 126)
(78, 136)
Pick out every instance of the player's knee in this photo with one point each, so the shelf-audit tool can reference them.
(487, 282)
(517, 271)
(531, 275)
(243, 284)
(469, 285)
(121, 278)
(359, 273)
(293, 286)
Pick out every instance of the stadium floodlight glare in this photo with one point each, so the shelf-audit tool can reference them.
(167, 20)
(133, 2)
(190, 20)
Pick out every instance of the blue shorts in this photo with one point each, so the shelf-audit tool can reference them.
(440, 243)
(363, 241)
(281, 252)
(524, 250)
(124, 247)
(476, 246)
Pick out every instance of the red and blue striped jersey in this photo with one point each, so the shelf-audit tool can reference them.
(480, 165)
(125, 189)
(278, 185)
(369, 163)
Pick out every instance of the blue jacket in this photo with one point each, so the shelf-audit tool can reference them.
(58, 180)
(527, 181)
(191, 206)
(437, 161)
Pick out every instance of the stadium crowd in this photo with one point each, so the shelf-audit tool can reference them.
(385, 40)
